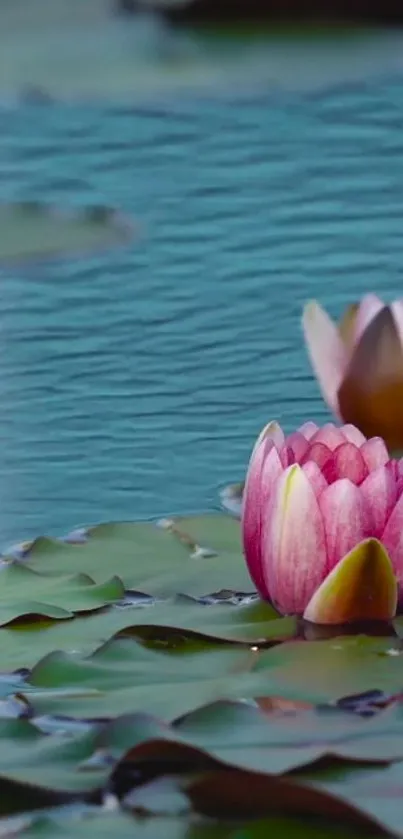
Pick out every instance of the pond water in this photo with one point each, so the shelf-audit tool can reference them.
(133, 383)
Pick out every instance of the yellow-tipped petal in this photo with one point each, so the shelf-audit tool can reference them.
(361, 587)
(347, 325)
(371, 393)
(271, 431)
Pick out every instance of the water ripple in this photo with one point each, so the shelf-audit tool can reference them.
(133, 383)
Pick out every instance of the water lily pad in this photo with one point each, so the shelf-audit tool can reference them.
(24, 592)
(221, 791)
(123, 677)
(379, 790)
(323, 671)
(84, 823)
(162, 625)
(243, 735)
(175, 660)
(31, 230)
(195, 556)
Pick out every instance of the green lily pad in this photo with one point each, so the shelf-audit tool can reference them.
(378, 790)
(24, 591)
(74, 761)
(117, 824)
(176, 660)
(194, 556)
(123, 825)
(29, 756)
(32, 230)
(244, 736)
(124, 677)
(219, 791)
(323, 671)
(172, 623)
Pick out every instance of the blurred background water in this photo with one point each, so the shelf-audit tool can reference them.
(134, 382)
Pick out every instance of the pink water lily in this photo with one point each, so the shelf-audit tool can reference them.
(359, 364)
(322, 523)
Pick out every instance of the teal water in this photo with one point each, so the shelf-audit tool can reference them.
(133, 383)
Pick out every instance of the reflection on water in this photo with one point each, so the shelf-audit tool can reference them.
(83, 49)
(134, 383)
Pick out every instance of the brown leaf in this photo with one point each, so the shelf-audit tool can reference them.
(371, 394)
(154, 759)
(269, 704)
(236, 794)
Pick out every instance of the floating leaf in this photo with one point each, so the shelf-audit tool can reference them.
(79, 822)
(160, 797)
(24, 591)
(323, 671)
(222, 792)
(168, 624)
(31, 230)
(238, 695)
(227, 793)
(155, 560)
(123, 677)
(378, 790)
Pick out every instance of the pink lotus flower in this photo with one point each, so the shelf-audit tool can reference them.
(322, 523)
(359, 365)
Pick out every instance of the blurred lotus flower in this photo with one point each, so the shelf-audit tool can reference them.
(322, 523)
(359, 365)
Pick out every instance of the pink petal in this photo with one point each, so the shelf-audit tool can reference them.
(330, 435)
(263, 463)
(397, 312)
(293, 567)
(392, 538)
(346, 462)
(318, 453)
(308, 429)
(250, 518)
(345, 519)
(379, 491)
(353, 435)
(374, 452)
(271, 431)
(272, 469)
(296, 445)
(398, 471)
(326, 350)
(286, 456)
(369, 307)
(315, 477)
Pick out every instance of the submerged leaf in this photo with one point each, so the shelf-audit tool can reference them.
(32, 230)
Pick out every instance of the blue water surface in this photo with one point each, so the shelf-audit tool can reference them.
(133, 383)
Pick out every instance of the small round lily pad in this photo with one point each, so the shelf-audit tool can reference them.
(31, 229)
